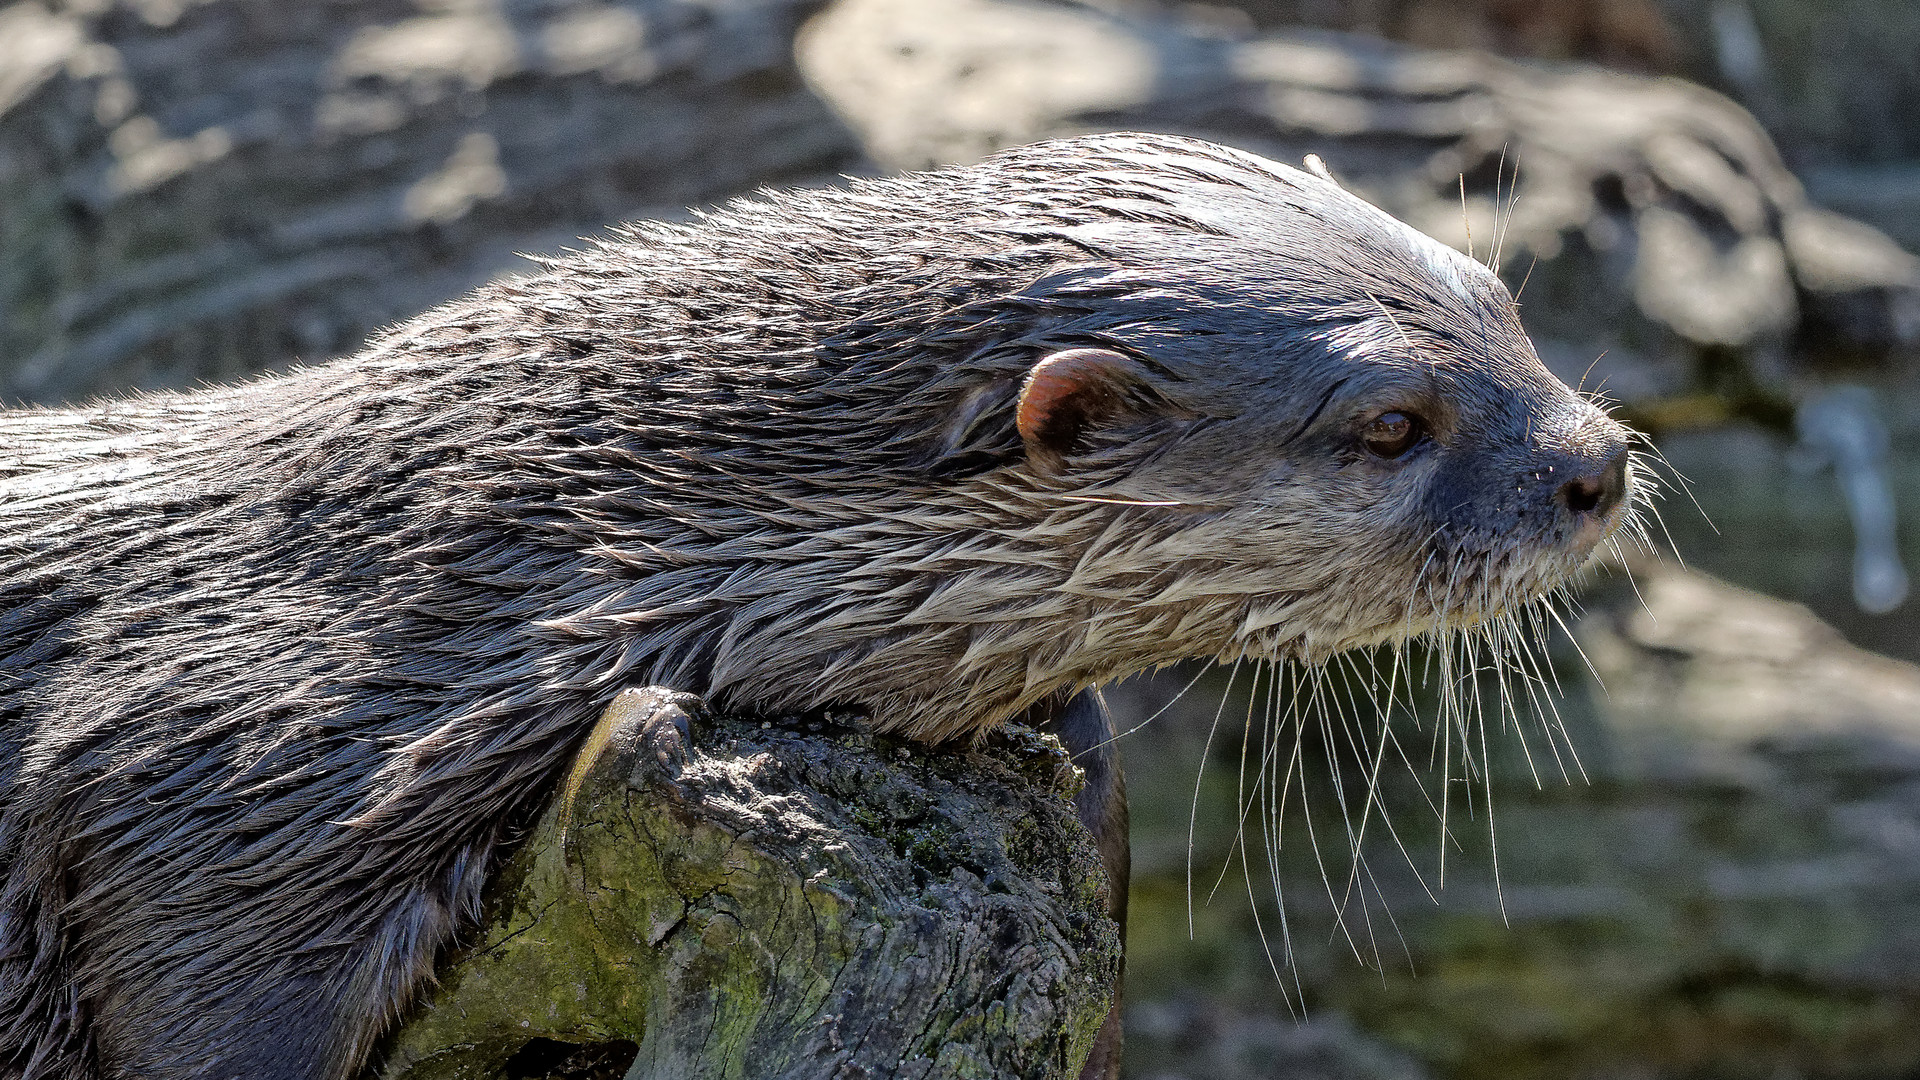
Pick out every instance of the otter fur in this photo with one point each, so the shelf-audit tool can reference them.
(281, 662)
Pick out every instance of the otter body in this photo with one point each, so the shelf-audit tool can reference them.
(281, 662)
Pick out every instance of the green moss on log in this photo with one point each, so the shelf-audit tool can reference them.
(794, 905)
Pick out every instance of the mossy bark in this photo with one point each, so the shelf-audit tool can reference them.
(791, 904)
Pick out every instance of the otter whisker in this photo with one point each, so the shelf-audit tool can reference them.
(1272, 796)
(1493, 245)
(1386, 909)
(1157, 713)
(1474, 726)
(1271, 805)
(1128, 502)
(1373, 792)
(1193, 816)
(1450, 715)
(1238, 848)
(1504, 648)
(1358, 864)
(1540, 634)
(1272, 799)
(1388, 737)
(1465, 221)
(1641, 537)
(1649, 449)
(1503, 220)
(1398, 329)
(1443, 741)
(1493, 834)
(1244, 804)
(1634, 584)
(1425, 795)
(1286, 934)
(1517, 293)
(1316, 700)
(1384, 735)
(1270, 839)
(1542, 686)
(1581, 386)
(1653, 508)
(1536, 674)
(1575, 642)
(1497, 655)
(1407, 624)
(1354, 743)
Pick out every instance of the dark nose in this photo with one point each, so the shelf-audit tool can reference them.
(1597, 492)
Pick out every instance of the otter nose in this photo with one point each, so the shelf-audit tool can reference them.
(1598, 491)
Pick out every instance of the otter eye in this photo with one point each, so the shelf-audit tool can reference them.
(1391, 434)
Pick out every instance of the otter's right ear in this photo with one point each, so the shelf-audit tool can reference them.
(1072, 391)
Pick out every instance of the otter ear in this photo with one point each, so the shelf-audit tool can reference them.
(1070, 392)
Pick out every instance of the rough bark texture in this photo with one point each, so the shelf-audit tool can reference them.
(794, 904)
(206, 188)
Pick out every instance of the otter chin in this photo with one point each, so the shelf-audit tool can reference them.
(281, 662)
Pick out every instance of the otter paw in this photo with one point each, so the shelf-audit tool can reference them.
(660, 724)
(646, 731)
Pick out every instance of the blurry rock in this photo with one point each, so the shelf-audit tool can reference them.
(1197, 1039)
(1854, 274)
(197, 190)
(1772, 517)
(1738, 672)
(1662, 217)
(1632, 34)
(1888, 196)
(1835, 81)
(954, 80)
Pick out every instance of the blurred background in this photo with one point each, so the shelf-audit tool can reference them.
(1714, 210)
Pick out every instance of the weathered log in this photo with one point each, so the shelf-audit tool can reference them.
(787, 903)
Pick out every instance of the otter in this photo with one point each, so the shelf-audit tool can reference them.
(279, 662)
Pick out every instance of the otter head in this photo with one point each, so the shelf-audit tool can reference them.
(1257, 416)
(1084, 409)
(1330, 424)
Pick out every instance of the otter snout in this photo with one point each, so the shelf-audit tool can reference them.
(1591, 499)
(1596, 493)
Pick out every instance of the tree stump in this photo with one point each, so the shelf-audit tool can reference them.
(794, 903)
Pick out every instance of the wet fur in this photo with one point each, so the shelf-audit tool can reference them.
(280, 662)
